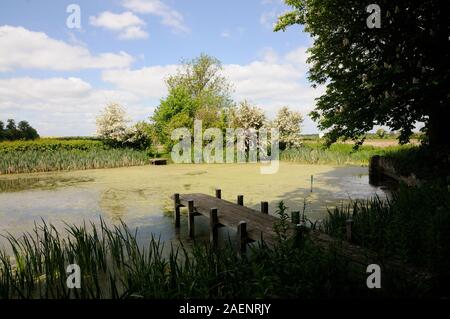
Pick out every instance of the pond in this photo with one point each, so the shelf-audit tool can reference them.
(140, 196)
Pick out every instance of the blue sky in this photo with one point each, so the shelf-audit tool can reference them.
(59, 78)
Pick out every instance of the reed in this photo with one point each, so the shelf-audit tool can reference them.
(114, 265)
(414, 225)
(336, 154)
(31, 161)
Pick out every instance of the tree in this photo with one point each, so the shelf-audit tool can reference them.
(395, 75)
(249, 118)
(11, 131)
(112, 126)
(137, 136)
(22, 131)
(177, 105)
(27, 132)
(202, 78)
(2, 131)
(288, 124)
(112, 123)
(197, 91)
(381, 133)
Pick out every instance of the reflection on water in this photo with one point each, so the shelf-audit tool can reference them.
(140, 195)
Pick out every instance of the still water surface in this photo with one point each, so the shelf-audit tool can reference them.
(140, 195)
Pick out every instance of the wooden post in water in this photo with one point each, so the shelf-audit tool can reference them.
(176, 210)
(240, 200)
(241, 238)
(218, 193)
(213, 227)
(312, 181)
(295, 217)
(265, 207)
(374, 170)
(349, 225)
(191, 225)
(299, 233)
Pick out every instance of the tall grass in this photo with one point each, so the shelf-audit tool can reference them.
(413, 225)
(57, 155)
(336, 154)
(114, 265)
(60, 160)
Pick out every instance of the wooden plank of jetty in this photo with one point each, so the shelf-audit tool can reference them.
(252, 225)
(257, 225)
(158, 161)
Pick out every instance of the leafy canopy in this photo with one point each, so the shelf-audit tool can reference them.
(21, 131)
(395, 75)
(197, 91)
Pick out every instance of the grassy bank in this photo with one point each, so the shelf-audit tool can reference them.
(73, 154)
(57, 155)
(337, 154)
(414, 225)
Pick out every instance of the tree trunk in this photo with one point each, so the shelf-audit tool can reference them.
(439, 128)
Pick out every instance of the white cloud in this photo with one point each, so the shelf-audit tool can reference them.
(113, 21)
(276, 81)
(271, 82)
(269, 55)
(133, 33)
(268, 19)
(128, 24)
(225, 34)
(60, 106)
(272, 10)
(22, 48)
(147, 82)
(170, 17)
(298, 57)
(236, 32)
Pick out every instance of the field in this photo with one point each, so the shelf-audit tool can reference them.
(313, 152)
(45, 155)
(60, 154)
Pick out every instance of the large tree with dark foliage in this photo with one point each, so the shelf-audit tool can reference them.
(395, 75)
(2, 131)
(12, 132)
(26, 131)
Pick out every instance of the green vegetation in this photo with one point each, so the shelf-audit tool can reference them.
(50, 144)
(339, 154)
(113, 130)
(13, 132)
(197, 91)
(424, 162)
(57, 155)
(414, 226)
(114, 265)
(381, 133)
(394, 75)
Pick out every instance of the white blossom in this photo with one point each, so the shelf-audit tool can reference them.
(112, 123)
(288, 124)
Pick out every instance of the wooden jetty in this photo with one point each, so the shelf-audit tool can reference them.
(158, 161)
(252, 225)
